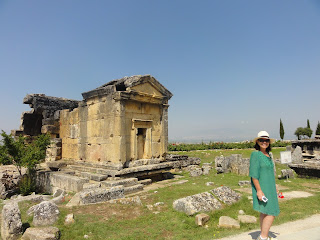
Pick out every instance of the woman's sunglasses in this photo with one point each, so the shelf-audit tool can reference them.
(263, 140)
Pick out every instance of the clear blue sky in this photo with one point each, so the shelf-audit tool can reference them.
(234, 67)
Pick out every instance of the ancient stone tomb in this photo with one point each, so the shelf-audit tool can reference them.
(116, 123)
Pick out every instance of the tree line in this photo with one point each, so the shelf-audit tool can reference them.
(301, 132)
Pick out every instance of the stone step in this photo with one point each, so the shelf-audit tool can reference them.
(96, 170)
(133, 189)
(145, 181)
(126, 182)
(65, 181)
(94, 176)
(151, 167)
(108, 166)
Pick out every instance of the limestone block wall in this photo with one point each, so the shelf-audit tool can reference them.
(90, 131)
(145, 119)
(105, 130)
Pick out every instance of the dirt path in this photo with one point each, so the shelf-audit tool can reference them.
(304, 229)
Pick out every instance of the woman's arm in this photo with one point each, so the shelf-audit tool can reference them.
(258, 188)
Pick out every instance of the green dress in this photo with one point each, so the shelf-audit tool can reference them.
(262, 168)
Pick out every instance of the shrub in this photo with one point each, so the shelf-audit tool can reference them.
(27, 184)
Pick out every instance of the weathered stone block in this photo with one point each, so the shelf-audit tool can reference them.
(67, 182)
(45, 213)
(94, 176)
(125, 182)
(100, 195)
(195, 172)
(247, 219)
(228, 222)
(11, 225)
(69, 219)
(226, 194)
(202, 219)
(145, 181)
(202, 202)
(41, 233)
(206, 169)
(133, 189)
(91, 185)
(287, 173)
(297, 155)
(128, 201)
(49, 129)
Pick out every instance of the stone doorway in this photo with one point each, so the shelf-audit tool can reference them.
(141, 142)
(142, 139)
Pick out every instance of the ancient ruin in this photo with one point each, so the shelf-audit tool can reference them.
(119, 130)
(306, 157)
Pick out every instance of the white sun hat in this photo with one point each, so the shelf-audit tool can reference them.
(264, 135)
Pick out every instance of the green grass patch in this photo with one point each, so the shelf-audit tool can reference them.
(116, 221)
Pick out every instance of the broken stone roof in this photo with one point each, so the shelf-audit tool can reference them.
(123, 84)
(41, 102)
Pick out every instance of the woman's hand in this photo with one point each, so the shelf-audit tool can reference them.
(260, 194)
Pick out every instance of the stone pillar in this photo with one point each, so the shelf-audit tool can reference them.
(164, 135)
(120, 148)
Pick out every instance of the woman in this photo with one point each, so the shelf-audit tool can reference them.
(263, 184)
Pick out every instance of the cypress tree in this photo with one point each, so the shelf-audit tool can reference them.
(308, 133)
(281, 130)
(318, 129)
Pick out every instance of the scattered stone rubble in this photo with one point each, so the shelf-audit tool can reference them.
(80, 176)
(228, 222)
(196, 170)
(9, 179)
(234, 163)
(306, 157)
(44, 214)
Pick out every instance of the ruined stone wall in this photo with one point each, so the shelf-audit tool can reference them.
(310, 146)
(90, 132)
(106, 130)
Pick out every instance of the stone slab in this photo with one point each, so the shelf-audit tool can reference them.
(94, 176)
(133, 189)
(226, 195)
(100, 195)
(202, 202)
(41, 233)
(67, 182)
(125, 182)
(228, 222)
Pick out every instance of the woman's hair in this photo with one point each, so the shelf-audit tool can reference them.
(257, 147)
